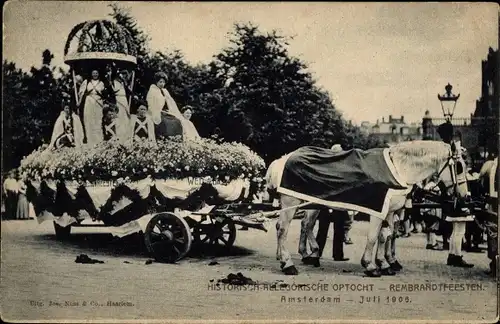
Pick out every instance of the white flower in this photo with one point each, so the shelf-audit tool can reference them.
(186, 167)
(114, 173)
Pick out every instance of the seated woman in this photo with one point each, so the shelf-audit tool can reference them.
(142, 126)
(109, 125)
(163, 109)
(68, 130)
(189, 131)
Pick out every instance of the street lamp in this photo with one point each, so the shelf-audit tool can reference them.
(448, 102)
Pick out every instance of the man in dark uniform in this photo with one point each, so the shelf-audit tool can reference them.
(339, 219)
(455, 258)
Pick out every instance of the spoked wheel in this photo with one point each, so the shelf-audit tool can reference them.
(215, 232)
(167, 237)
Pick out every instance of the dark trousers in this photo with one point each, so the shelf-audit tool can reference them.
(473, 234)
(339, 219)
(10, 205)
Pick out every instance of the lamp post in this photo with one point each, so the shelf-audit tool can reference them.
(448, 102)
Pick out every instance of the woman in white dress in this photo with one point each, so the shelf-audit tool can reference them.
(68, 130)
(123, 113)
(189, 131)
(91, 93)
(159, 100)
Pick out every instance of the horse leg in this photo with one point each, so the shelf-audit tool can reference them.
(308, 231)
(282, 227)
(367, 259)
(304, 223)
(384, 246)
(390, 251)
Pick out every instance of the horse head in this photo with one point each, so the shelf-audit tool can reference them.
(416, 161)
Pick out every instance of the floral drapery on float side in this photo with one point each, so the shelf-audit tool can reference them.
(117, 183)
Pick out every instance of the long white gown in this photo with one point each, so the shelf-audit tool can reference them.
(92, 111)
(123, 117)
(62, 126)
(156, 99)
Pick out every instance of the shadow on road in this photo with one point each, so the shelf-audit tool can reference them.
(133, 245)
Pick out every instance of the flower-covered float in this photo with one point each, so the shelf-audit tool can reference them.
(173, 191)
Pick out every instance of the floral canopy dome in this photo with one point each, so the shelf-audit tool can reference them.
(99, 41)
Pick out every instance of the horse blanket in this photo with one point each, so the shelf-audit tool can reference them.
(356, 180)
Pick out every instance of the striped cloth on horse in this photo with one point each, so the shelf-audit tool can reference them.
(358, 180)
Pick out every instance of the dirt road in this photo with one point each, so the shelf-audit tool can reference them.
(41, 281)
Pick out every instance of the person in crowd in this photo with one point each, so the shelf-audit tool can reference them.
(68, 130)
(109, 122)
(22, 211)
(406, 217)
(142, 126)
(432, 216)
(416, 214)
(189, 131)
(339, 218)
(473, 230)
(11, 190)
(91, 93)
(120, 90)
(163, 110)
(458, 218)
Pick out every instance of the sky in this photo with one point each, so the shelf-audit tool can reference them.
(375, 59)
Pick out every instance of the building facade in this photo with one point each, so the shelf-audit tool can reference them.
(393, 130)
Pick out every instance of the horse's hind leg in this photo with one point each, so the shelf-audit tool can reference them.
(307, 233)
(282, 227)
(304, 223)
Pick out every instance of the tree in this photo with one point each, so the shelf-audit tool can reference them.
(32, 102)
(270, 101)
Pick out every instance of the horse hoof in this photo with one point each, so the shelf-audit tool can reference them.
(375, 273)
(395, 266)
(290, 271)
(311, 261)
(364, 263)
(387, 272)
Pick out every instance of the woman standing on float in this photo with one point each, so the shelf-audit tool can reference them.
(123, 113)
(91, 93)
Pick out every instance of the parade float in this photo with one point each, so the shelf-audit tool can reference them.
(171, 190)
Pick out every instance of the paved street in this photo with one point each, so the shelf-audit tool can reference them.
(40, 281)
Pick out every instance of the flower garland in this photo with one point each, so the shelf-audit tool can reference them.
(168, 159)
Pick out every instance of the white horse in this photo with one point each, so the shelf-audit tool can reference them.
(413, 161)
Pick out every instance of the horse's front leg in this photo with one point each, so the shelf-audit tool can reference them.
(282, 227)
(385, 246)
(307, 234)
(367, 260)
(390, 249)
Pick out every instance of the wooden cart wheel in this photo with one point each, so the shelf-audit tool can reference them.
(167, 237)
(214, 232)
(62, 233)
